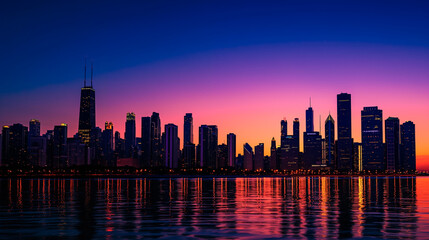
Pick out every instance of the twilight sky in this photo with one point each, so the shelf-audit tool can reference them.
(243, 66)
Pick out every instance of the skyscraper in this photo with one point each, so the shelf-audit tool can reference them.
(392, 138)
(130, 134)
(259, 157)
(309, 122)
(87, 111)
(345, 142)
(248, 157)
(208, 141)
(231, 142)
(408, 146)
(60, 159)
(273, 156)
(296, 133)
(283, 132)
(312, 150)
(222, 156)
(330, 140)
(107, 145)
(372, 139)
(156, 147)
(14, 145)
(34, 128)
(188, 134)
(146, 142)
(172, 146)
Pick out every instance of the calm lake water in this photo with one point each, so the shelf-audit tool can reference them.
(193, 208)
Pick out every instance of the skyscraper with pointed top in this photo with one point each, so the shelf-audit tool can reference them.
(87, 111)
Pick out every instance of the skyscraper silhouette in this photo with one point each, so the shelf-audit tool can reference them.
(188, 134)
(156, 147)
(309, 122)
(146, 142)
(248, 157)
(14, 145)
(273, 156)
(130, 134)
(330, 140)
(208, 139)
(172, 146)
(408, 146)
(34, 128)
(231, 142)
(392, 137)
(87, 111)
(259, 157)
(372, 139)
(296, 133)
(60, 146)
(283, 132)
(344, 144)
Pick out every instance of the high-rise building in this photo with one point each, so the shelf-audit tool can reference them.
(208, 141)
(87, 111)
(289, 155)
(296, 133)
(34, 128)
(344, 144)
(156, 147)
(146, 142)
(14, 145)
(130, 134)
(357, 157)
(372, 139)
(392, 138)
(283, 132)
(309, 120)
(330, 140)
(273, 156)
(172, 146)
(312, 150)
(248, 157)
(60, 159)
(37, 146)
(189, 155)
(408, 146)
(232, 145)
(76, 152)
(222, 156)
(259, 157)
(107, 145)
(188, 128)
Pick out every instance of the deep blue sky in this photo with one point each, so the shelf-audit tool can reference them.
(43, 43)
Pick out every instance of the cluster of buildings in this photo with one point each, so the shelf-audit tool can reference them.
(22, 147)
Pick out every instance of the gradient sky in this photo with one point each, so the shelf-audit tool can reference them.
(243, 66)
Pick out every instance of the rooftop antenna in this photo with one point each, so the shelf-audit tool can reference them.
(84, 78)
(92, 69)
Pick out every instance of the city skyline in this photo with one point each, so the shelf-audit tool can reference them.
(244, 68)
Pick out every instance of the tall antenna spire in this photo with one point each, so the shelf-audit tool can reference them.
(92, 69)
(84, 78)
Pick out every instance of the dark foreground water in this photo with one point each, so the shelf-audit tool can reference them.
(246, 208)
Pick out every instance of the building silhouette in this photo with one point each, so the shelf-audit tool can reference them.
(146, 140)
(222, 156)
(130, 134)
(87, 111)
(188, 129)
(344, 144)
(107, 144)
(283, 132)
(312, 157)
(232, 147)
(392, 141)
(296, 133)
(208, 142)
(273, 155)
(60, 158)
(372, 139)
(156, 147)
(34, 128)
(172, 146)
(309, 122)
(330, 141)
(248, 157)
(408, 146)
(258, 164)
(14, 145)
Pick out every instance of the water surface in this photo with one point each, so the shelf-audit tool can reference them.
(192, 208)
